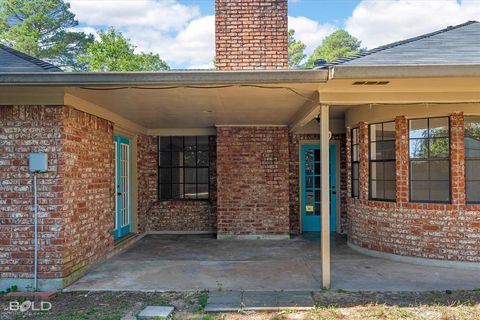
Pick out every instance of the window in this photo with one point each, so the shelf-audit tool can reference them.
(472, 159)
(355, 163)
(183, 171)
(429, 148)
(382, 161)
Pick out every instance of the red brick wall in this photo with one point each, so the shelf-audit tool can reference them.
(147, 173)
(294, 147)
(253, 181)
(436, 231)
(251, 34)
(75, 196)
(88, 173)
(155, 215)
(25, 129)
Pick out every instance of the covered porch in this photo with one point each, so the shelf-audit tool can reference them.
(201, 262)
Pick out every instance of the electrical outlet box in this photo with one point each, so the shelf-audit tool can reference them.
(38, 162)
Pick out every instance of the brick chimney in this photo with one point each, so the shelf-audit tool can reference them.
(251, 34)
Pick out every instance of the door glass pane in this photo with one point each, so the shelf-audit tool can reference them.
(317, 182)
(317, 209)
(309, 181)
(317, 155)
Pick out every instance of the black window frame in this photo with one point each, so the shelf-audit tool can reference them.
(476, 159)
(370, 161)
(183, 168)
(428, 159)
(353, 162)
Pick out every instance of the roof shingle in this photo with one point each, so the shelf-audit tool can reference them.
(453, 45)
(12, 60)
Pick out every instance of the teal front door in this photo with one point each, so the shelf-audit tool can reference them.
(122, 185)
(310, 189)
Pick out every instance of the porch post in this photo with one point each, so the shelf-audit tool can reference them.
(325, 194)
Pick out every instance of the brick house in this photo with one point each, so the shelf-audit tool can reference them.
(236, 152)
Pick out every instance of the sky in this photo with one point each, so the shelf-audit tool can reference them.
(182, 32)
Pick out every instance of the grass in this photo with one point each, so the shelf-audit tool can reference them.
(459, 305)
(202, 300)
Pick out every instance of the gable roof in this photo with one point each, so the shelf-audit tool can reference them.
(453, 45)
(12, 60)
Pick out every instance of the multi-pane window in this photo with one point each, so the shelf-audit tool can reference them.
(355, 162)
(183, 171)
(382, 161)
(429, 145)
(472, 159)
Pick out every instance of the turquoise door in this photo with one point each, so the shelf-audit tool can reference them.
(310, 191)
(122, 184)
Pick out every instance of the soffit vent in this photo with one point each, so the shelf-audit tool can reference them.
(370, 83)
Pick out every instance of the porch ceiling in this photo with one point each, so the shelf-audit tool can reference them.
(202, 106)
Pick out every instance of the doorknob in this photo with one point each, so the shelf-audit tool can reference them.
(119, 193)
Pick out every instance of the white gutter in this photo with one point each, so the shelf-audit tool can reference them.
(406, 71)
(162, 78)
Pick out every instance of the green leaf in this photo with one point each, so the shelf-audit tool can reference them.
(340, 44)
(114, 52)
(43, 29)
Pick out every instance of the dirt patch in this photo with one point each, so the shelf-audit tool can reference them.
(456, 305)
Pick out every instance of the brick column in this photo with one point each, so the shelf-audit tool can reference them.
(401, 156)
(457, 154)
(363, 157)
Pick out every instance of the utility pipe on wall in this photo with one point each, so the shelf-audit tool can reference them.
(38, 162)
(35, 223)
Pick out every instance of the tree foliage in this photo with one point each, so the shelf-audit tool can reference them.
(43, 29)
(296, 50)
(339, 44)
(114, 52)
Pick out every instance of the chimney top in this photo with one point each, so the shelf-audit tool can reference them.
(251, 34)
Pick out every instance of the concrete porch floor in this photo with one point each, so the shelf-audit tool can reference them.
(193, 262)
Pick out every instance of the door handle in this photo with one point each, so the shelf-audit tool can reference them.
(119, 193)
(334, 192)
